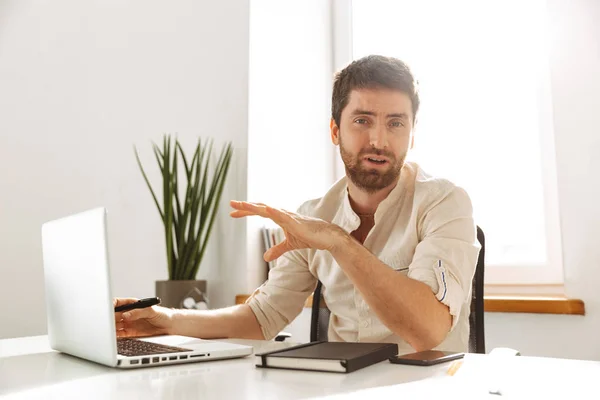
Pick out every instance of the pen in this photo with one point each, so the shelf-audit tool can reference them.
(454, 367)
(142, 303)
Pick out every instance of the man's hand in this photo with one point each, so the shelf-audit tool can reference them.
(150, 321)
(300, 232)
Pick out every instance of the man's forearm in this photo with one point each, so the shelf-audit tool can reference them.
(231, 322)
(406, 306)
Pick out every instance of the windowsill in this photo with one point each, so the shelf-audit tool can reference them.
(508, 303)
(530, 298)
(533, 304)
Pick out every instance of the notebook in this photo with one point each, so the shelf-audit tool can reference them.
(328, 356)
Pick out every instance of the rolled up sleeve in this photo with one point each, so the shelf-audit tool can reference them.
(446, 255)
(281, 298)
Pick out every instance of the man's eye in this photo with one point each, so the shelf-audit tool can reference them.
(360, 121)
(396, 124)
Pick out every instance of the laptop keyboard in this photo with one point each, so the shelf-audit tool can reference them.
(134, 347)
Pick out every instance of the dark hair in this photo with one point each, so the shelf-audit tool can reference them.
(373, 72)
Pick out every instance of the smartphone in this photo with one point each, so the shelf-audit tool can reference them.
(428, 357)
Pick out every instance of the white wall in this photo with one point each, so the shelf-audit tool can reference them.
(290, 156)
(575, 80)
(80, 84)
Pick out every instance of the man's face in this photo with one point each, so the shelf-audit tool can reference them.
(374, 136)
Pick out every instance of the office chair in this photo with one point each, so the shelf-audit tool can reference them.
(319, 319)
(476, 331)
(319, 323)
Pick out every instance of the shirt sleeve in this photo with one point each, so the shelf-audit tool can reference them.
(281, 298)
(446, 257)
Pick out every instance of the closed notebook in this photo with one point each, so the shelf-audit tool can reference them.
(328, 356)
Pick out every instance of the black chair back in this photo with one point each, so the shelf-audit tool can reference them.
(477, 332)
(319, 323)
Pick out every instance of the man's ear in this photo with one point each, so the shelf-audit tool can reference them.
(335, 132)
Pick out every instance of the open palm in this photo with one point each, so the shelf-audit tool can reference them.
(301, 232)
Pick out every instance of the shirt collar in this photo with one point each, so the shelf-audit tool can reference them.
(351, 221)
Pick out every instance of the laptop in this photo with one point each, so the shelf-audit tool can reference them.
(79, 303)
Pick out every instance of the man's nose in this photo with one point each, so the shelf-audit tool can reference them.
(378, 137)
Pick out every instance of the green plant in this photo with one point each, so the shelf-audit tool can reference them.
(188, 224)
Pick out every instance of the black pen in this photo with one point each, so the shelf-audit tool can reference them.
(141, 303)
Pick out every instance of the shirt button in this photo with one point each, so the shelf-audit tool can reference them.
(365, 323)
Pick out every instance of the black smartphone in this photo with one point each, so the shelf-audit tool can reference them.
(428, 357)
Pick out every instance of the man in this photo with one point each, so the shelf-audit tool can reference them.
(395, 248)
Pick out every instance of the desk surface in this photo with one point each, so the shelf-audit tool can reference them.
(30, 369)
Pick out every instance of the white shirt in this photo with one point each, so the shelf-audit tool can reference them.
(424, 229)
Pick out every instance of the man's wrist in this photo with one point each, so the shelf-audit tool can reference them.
(341, 241)
(174, 316)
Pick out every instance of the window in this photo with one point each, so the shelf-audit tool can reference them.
(485, 120)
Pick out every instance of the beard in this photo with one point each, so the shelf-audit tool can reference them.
(371, 180)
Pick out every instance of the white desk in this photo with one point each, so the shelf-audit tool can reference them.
(30, 369)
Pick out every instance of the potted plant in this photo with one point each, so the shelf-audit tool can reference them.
(188, 213)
